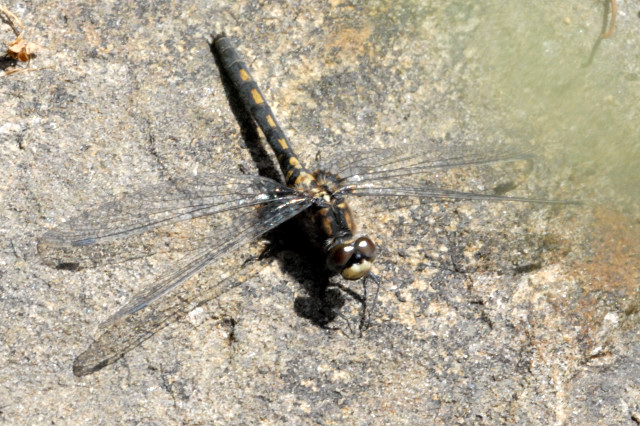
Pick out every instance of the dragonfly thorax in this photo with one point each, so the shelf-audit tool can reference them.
(347, 254)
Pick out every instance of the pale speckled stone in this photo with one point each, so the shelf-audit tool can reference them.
(128, 95)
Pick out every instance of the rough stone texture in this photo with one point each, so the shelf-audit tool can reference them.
(489, 313)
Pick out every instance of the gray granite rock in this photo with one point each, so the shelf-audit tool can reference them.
(488, 312)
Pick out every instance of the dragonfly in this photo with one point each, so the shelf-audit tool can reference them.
(223, 212)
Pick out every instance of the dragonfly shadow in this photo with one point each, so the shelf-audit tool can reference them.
(290, 246)
(7, 62)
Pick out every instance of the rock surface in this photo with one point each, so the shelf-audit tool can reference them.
(488, 312)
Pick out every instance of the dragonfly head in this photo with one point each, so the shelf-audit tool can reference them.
(352, 259)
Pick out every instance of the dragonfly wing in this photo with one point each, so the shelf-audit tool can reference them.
(149, 311)
(443, 194)
(435, 168)
(463, 176)
(144, 222)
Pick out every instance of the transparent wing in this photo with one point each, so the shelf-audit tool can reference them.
(147, 221)
(444, 194)
(464, 176)
(383, 163)
(148, 312)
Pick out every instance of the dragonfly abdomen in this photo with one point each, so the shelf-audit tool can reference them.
(251, 96)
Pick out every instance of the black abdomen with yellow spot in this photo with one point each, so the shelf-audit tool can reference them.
(253, 99)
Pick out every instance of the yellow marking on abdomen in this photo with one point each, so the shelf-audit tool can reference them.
(283, 143)
(304, 179)
(271, 121)
(244, 75)
(256, 96)
(293, 161)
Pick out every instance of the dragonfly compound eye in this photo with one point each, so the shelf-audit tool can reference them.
(353, 260)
